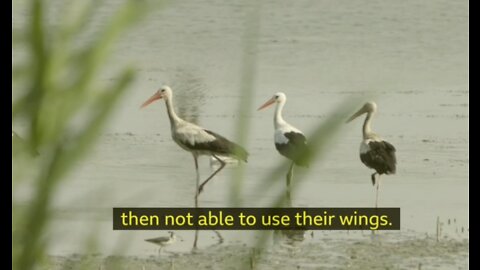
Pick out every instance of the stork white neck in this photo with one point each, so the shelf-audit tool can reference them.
(278, 119)
(174, 119)
(367, 130)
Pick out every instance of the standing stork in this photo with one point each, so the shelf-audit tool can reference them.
(197, 140)
(375, 153)
(289, 141)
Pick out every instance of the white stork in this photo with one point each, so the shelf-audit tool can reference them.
(197, 140)
(290, 142)
(375, 153)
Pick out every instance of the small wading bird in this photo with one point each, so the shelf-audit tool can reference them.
(289, 141)
(197, 140)
(375, 153)
(163, 241)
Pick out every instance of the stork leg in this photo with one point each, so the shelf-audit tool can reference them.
(195, 240)
(373, 179)
(196, 196)
(289, 180)
(222, 165)
(197, 179)
(378, 187)
(377, 180)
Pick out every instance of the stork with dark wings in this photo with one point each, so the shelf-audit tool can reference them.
(290, 142)
(375, 152)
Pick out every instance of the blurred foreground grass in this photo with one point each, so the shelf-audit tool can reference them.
(56, 97)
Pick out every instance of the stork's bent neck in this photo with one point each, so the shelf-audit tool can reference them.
(278, 119)
(367, 130)
(174, 119)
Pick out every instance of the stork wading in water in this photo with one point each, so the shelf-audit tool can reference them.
(163, 241)
(290, 142)
(197, 140)
(375, 153)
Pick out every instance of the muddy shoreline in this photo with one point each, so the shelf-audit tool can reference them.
(368, 253)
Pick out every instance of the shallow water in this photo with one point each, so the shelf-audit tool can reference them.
(329, 254)
(410, 56)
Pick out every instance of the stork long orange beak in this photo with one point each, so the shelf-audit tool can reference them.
(268, 103)
(153, 98)
(357, 114)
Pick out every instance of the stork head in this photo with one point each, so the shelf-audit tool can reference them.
(164, 92)
(175, 236)
(369, 107)
(279, 97)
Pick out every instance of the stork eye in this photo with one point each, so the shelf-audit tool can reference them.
(276, 97)
(163, 90)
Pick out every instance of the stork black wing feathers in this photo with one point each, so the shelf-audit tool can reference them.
(221, 146)
(296, 149)
(380, 157)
